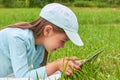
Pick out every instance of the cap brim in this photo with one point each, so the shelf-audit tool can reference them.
(74, 37)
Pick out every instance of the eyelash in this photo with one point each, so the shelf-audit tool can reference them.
(62, 41)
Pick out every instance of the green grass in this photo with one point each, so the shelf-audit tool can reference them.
(98, 28)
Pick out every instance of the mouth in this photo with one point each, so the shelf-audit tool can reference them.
(54, 49)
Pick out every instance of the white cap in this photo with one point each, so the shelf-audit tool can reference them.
(64, 18)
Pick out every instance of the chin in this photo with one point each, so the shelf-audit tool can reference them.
(51, 50)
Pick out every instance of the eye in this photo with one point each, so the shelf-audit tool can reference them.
(63, 41)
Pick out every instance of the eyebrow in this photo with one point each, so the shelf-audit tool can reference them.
(67, 39)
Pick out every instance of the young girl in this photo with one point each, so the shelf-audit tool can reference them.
(24, 46)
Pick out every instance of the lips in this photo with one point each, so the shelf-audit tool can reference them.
(54, 49)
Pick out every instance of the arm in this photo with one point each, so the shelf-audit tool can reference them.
(65, 65)
(18, 55)
(52, 67)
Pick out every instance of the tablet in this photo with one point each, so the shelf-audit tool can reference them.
(92, 57)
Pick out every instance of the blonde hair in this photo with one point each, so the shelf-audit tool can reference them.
(37, 27)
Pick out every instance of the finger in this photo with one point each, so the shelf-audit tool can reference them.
(69, 72)
(73, 66)
(65, 58)
(79, 62)
(73, 58)
(76, 67)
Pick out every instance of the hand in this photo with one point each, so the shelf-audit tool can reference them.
(69, 64)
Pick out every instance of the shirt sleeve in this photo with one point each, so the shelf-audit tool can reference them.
(18, 56)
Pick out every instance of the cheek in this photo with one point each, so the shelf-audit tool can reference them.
(50, 44)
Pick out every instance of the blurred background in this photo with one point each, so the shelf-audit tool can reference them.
(99, 27)
(76, 3)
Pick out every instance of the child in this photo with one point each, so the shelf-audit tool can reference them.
(24, 46)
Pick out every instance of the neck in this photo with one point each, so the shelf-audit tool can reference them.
(38, 41)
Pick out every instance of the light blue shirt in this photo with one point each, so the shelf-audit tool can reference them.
(19, 55)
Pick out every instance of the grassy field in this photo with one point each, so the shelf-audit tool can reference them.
(98, 28)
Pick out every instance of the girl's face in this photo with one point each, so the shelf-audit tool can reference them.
(53, 40)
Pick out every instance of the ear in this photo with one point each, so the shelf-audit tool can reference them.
(48, 30)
